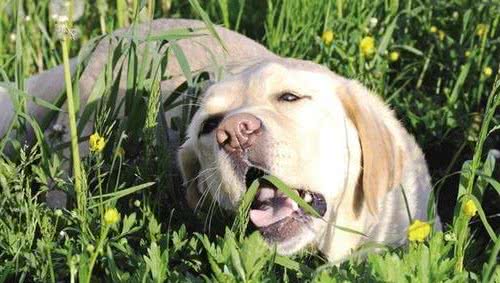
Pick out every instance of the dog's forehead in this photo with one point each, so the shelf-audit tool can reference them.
(266, 78)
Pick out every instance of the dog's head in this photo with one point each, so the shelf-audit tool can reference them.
(301, 123)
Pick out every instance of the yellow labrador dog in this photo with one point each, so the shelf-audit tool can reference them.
(327, 137)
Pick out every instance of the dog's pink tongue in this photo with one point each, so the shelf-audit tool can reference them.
(280, 207)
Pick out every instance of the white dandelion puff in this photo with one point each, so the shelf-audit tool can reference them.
(59, 9)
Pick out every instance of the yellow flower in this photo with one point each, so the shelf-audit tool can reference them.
(111, 216)
(441, 35)
(481, 30)
(487, 71)
(367, 46)
(434, 29)
(418, 231)
(467, 54)
(394, 56)
(469, 208)
(327, 37)
(96, 142)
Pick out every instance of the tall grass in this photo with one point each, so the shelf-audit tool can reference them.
(61, 227)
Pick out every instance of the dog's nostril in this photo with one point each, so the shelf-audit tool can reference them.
(250, 126)
(222, 136)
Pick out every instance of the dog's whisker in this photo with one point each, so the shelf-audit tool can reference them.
(205, 192)
(214, 205)
(200, 174)
(210, 168)
(211, 208)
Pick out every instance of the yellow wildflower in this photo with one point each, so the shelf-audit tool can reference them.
(467, 54)
(327, 37)
(469, 208)
(441, 35)
(481, 30)
(367, 46)
(111, 216)
(434, 29)
(96, 142)
(394, 56)
(418, 231)
(487, 71)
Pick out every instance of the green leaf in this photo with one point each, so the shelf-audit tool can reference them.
(183, 62)
(254, 254)
(494, 183)
(483, 218)
(241, 221)
(157, 262)
(291, 264)
(13, 91)
(128, 223)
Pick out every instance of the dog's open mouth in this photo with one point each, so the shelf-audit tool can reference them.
(277, 216)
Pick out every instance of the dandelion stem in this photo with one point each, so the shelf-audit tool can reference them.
(80, 194)
(463, 232)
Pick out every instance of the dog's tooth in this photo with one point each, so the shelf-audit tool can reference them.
(307, 197)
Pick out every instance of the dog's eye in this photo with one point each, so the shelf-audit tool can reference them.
(210, 124)
(288, 97)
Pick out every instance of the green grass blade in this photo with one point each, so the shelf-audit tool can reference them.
(291, 264)
(204, 16)
(280, 185)
(23, 95)
(121, 193)
(183, 62)
(483, 218)
(177, 34)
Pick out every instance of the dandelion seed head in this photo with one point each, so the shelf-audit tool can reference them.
(59, 9)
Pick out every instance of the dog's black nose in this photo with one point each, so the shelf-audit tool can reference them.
(238, 132)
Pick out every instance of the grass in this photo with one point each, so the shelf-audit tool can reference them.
(442, 86)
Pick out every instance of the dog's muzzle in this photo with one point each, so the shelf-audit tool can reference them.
(274, 214)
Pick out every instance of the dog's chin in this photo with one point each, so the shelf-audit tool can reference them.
(291, 241)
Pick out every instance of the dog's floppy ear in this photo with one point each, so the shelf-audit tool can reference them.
(381, 157)
(190, 167)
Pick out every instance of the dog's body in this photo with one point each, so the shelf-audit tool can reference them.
(327, 137)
